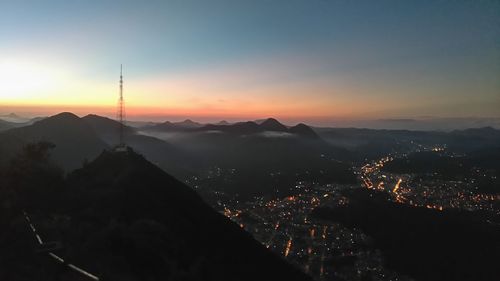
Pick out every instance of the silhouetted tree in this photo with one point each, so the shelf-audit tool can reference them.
(32, 178)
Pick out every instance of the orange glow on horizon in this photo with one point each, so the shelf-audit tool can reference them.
(158, 113)
(241, 91)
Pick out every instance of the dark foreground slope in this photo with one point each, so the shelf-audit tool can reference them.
(122, 218)
(424, 243)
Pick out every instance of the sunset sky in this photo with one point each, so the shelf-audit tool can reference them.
(313, 60)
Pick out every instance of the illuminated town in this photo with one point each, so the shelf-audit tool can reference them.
(330, 251)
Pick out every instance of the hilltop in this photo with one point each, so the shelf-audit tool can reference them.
(126, 219)
(75, 140)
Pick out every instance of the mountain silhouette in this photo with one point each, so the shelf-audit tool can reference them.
(75, 140)
(248, 147)
(223, 122)
(13, 122)
(267, 125)
(11, 115)
(484, 132)
(303, 130)
(248, 127)
(14, 118)
(132, 221)
(272, 124)
(170, 158)
(104, 126)
(167, 126)
(239, 128)
(188, 123)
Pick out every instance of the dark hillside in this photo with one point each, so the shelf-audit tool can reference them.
(126, 219)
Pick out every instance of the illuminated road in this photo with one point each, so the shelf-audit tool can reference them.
(288, 247)
(396, 187)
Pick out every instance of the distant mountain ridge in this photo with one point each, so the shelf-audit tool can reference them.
(14, 118)
(173, 159)
(269, 124)
(79, 139)
(185, 125)
(247, 147)
(223, 122)
(487, 131)
(244, 128)
(188, 123)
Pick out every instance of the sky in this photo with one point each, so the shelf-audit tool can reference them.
(315, 61)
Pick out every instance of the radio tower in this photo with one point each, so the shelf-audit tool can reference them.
(121, 114)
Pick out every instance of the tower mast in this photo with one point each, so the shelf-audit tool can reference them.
(121, 110)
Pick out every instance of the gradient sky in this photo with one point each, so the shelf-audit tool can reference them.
(310, 60)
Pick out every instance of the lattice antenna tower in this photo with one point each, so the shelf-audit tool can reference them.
(121, 110)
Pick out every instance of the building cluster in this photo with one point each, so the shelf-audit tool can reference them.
(330, 251)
